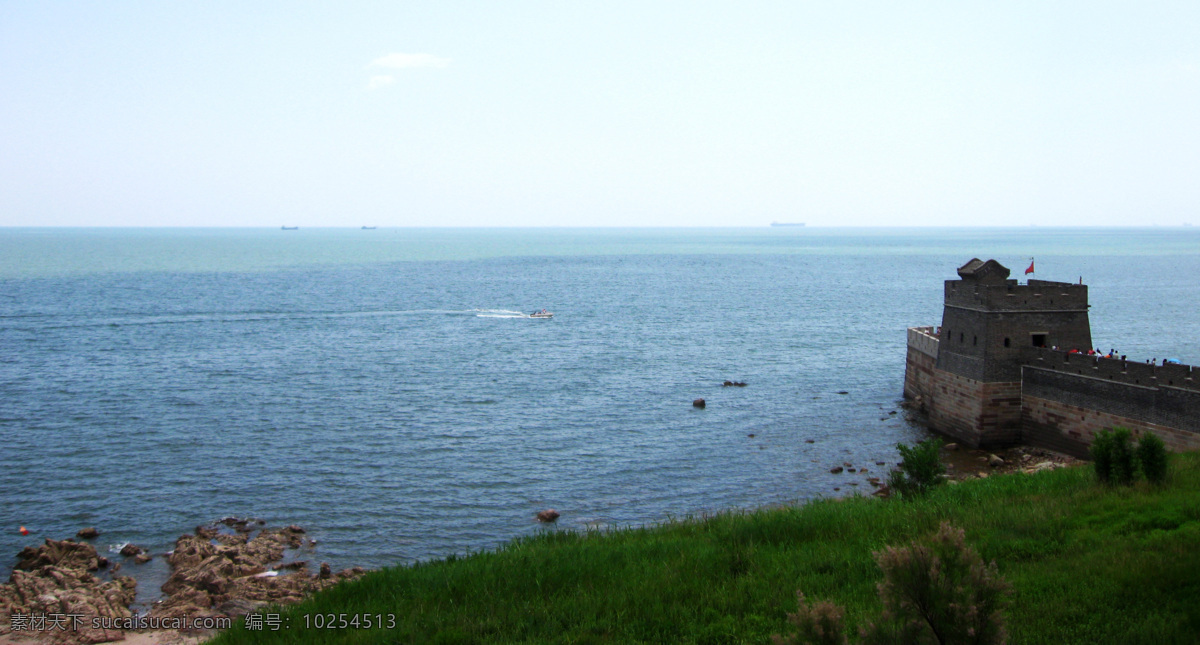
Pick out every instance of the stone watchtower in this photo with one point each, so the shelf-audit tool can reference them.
(990, 325)
(1001, 370)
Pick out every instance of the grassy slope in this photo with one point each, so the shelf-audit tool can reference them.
(1088, 564)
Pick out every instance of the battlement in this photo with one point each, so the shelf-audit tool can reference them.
(1038, 295)
(1115, 369)
(924, 340)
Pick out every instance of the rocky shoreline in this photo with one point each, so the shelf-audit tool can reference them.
(963, 464)
(58, 592)
(227, 569)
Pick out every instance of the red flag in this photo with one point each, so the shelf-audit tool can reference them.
(1030, 269)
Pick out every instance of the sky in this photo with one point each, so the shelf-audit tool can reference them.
(599, 114)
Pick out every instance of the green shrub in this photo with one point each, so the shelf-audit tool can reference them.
(1124, 463)
(1113, 457)
(935, 592)
(1152, 454)
(920, 470)
(940, 591)
(819, 624)
(1102, 455)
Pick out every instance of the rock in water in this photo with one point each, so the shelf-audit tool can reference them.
(88, 533)
(64, 554)
(548, 515)
(698, 403)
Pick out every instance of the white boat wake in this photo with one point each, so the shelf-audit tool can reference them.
(500, 313)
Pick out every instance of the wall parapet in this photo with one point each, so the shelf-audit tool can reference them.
(1114, 369)
(1167, 406)
(924, 340)
(1038, 295)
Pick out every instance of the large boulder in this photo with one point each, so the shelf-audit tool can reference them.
(56, 578)
(61, 553)
(239, 572)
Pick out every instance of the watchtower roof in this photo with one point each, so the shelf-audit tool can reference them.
(989, 272)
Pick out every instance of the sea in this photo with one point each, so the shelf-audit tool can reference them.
(387, 390)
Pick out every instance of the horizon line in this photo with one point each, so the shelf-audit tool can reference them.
(596, 226)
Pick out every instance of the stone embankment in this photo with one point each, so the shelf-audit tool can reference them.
(227, 569)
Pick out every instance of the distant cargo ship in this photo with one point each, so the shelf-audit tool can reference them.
(787, 223)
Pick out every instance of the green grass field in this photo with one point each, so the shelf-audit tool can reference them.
(1088, 563)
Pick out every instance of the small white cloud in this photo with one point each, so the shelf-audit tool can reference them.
(377, 82)
(403, 61)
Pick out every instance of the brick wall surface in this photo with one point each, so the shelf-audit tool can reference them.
(1000, 418)
(974, 413)
(955, 407)
(1070, 428)
(978, 414)
(1161, 405)
(918, 375)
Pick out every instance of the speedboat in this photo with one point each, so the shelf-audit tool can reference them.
(541, 314)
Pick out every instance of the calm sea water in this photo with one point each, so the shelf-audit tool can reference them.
(383, 389)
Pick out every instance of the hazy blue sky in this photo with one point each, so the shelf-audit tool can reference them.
(610, 113)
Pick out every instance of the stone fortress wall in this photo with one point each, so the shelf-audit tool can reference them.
(989, 376)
